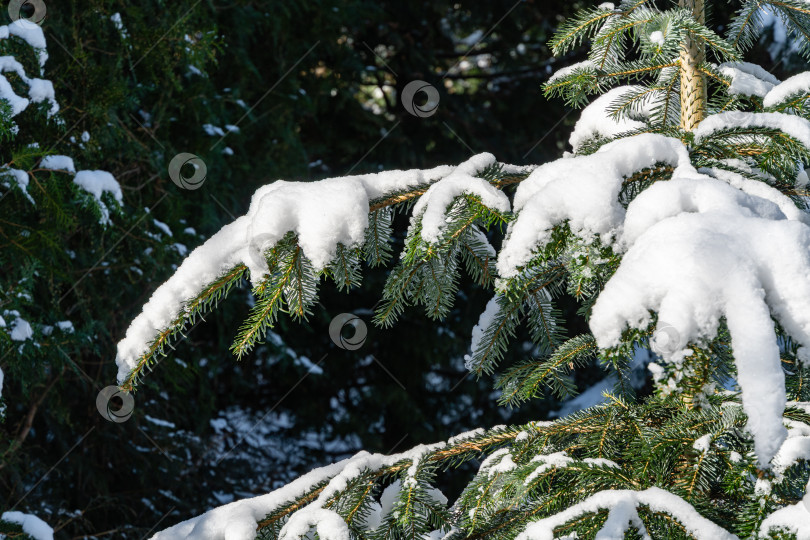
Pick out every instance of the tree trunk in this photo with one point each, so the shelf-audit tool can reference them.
(693, 82)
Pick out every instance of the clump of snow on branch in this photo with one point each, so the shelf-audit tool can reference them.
(238, 520)
(96, 183)
(794, 518)
(328, 524)
(797, 85)
(748, 79)
(760, 189)
(322, 214)
(698, 250)
(622, 507)
(558, 460)
(596, 120)
(31, 34)
(39, 90)
(479, 330)
(795, 126)
(58, 163)
(567, 70)
(584, 192)
(658, 38)
(31, 525)
(431, 209)
(20, 178)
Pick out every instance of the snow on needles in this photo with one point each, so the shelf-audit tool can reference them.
(795, 126)
(31, 525)
(622, 506)
(794, 518)
(432, 206)
(323, 214)
(596, 121)
(584, 191)
(237, 520)
(698, 250)
(479, 330)
(748, 79)
(39, 90)
(796, 85)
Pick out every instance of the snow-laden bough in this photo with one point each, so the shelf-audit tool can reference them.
(322, 214)
(584, 192)
(238, 520)
(622, 507)
(698, 250)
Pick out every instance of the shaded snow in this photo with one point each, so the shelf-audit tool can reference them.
(31, 525)
(748, 79)
(794, 126)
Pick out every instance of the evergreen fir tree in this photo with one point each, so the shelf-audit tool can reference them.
(680, 225)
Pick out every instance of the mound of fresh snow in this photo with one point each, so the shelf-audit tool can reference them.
(31, 525)
(698, 250)
(596, 121)
(584, 191)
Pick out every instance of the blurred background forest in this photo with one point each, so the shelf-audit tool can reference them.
(259, 90)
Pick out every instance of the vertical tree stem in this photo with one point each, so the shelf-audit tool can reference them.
(693, 82)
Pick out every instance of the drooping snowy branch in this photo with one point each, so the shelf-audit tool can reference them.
(323, 215)
(699, 250)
